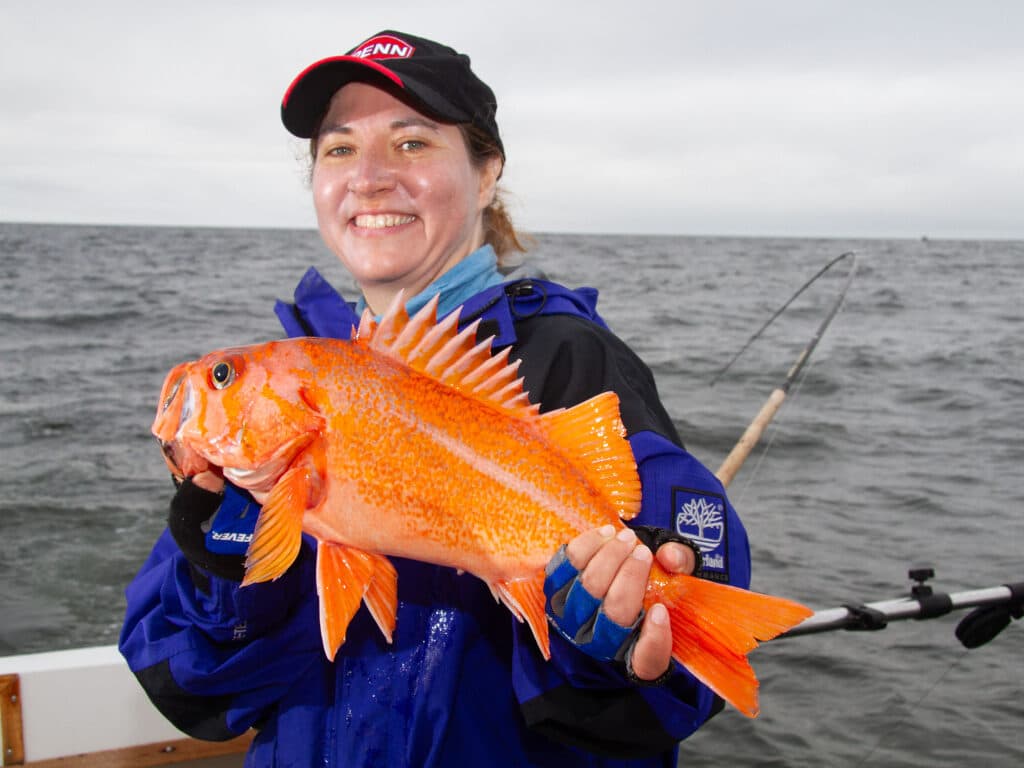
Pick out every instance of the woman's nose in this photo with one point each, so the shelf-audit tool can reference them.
(372, 173)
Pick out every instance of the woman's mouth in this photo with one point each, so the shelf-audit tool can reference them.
(382, 220)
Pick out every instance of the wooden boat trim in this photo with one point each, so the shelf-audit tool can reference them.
(147, 755)
(83, 708)
(10, 721)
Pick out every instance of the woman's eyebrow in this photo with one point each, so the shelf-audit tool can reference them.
(413, 121)
(336, 128)
(396, 125)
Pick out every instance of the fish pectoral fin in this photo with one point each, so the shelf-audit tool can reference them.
(345, 576)
(525, 598)
(278, 534)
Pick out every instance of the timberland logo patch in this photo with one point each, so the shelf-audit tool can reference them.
(384, 47)
(700, 516)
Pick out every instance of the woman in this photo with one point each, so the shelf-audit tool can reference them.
(406, 157)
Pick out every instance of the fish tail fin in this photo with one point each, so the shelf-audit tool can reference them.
(525, 598)
(715, 626)
(345, 576)
(592, 434)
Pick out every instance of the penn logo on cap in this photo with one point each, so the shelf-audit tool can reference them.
(384, 47)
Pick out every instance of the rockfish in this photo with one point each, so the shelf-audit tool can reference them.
(413, 440)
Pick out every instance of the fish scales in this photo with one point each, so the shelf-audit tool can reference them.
(489, 482)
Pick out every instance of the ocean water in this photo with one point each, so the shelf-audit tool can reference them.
(900, 446)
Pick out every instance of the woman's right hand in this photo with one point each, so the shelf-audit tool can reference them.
(209, 481)
(192, 509)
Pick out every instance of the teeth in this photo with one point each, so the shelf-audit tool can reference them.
(382, 220)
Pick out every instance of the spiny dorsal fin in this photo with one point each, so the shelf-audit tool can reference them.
(592, 434)
(443, 352)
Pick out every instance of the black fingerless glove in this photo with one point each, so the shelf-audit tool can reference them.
(192, 510)
(653, 537)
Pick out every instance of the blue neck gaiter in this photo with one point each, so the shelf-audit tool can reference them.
(473, 274)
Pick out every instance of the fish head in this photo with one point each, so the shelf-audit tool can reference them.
(245, 413)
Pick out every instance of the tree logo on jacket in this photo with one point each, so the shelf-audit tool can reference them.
(700, 516)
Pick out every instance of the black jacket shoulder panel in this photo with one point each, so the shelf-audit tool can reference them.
(568, 359)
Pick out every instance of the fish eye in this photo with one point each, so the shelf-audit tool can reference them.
(222, 374)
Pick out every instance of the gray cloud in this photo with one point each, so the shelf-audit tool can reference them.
(817, 118)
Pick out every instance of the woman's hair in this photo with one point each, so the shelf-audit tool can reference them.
(499, 231)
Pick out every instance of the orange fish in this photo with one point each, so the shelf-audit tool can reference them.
(413, 440)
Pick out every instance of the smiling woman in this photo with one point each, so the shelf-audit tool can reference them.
(406, 157)
(396, 196)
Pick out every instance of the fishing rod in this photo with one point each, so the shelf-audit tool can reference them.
(727, 471)
(994, 607)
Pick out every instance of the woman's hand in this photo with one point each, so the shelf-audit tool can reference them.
(614, 567)
(209, 481)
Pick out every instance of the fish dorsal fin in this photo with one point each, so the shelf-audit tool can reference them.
(443, 352)
(593, 435)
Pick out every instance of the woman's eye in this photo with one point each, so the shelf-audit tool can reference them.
(411, 145)
(339, 151)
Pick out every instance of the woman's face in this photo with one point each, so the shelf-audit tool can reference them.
(396, 196)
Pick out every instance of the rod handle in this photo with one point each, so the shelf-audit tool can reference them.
(750, 437)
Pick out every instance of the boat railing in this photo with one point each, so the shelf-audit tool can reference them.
(83, 708)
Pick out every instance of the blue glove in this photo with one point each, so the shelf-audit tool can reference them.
(578, 617)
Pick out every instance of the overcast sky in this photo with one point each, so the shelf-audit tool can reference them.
(878, 119)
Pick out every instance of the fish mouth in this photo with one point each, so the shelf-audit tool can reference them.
(184, 462)
(261, 478)
(177, 404)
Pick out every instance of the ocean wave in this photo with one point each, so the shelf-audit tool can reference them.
(901, 446)
(31, 320)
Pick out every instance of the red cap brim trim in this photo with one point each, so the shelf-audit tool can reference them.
(368, 63)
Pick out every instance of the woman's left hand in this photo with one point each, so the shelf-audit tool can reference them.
(614, 567)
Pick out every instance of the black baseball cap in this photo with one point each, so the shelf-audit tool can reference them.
(434, 78)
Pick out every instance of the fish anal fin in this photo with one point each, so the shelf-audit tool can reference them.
(715, 626)
(525, 598)
(381, 597)
(278, 533)
(345, 577)
(592, 434)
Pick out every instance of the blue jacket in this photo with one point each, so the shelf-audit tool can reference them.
(463, 683)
